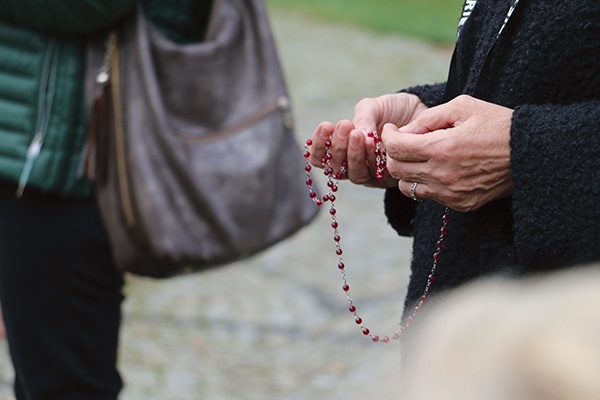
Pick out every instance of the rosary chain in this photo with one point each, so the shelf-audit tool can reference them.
(333, 179)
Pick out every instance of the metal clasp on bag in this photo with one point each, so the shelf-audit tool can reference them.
(284, 105)
(104, 71)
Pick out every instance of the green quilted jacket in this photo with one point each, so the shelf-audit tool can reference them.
(43, 121)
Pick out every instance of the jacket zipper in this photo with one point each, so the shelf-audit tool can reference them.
(44, 106)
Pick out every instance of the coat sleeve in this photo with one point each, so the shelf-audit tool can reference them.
(555, 166)
(430, 95)
(399, 209)
(75, 17)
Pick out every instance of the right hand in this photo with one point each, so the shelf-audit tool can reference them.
(350, 141)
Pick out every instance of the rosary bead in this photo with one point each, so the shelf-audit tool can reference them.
(352, 309)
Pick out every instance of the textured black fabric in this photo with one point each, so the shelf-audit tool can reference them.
(60, 295)
(546, 67)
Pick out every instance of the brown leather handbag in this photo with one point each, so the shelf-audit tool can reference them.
(192, 146)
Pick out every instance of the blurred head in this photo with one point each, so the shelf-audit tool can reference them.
(499, 339)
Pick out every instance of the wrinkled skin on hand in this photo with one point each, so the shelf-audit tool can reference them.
(459, 152)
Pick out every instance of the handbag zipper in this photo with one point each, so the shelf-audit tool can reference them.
(282, 103)
(46, 95)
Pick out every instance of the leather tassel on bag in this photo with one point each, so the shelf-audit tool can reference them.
(101, 117)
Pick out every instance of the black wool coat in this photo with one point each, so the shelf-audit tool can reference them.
(546, 66)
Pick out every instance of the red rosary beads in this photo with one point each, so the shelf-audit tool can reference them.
(333, 179)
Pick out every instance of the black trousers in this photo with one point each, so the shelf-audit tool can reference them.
(61, 298)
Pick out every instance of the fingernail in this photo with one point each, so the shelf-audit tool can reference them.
(325, 132)
(354, 140)
(405, 128)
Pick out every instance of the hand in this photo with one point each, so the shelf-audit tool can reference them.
(350, 141)
(458, 152)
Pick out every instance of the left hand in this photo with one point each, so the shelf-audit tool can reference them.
(349, 140)
(458, 152)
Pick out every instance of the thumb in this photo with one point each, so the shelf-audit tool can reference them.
(440, 117)
(367, 115)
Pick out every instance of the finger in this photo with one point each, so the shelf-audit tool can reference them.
(414, 190)
(367, 114)
(358, 163)
(339, 144)
(408, 171)
(444, 116)
(318, 140)
(407, 147)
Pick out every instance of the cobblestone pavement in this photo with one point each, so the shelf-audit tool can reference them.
(277, 326)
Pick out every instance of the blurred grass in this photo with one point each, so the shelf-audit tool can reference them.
(431, 20)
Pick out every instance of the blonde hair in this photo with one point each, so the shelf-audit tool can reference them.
(501, 339)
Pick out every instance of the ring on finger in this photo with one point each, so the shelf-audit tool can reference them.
(413, 187)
